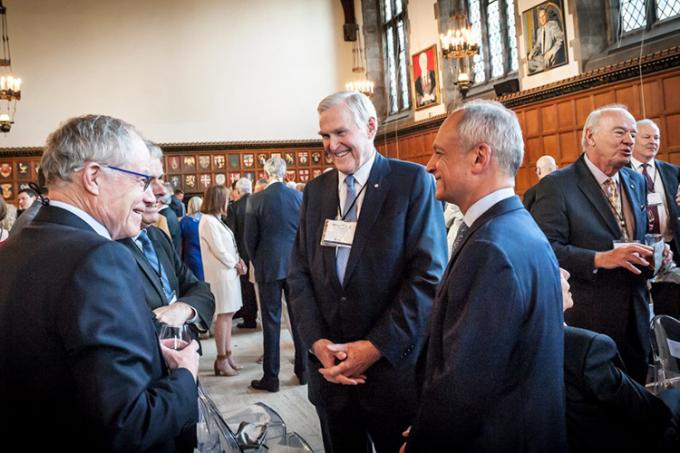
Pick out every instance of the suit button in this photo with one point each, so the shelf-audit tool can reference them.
(343, 299)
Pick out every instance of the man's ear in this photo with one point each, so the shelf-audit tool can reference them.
(482, 153)
(372, 128)
(589, 137)
(90, 177)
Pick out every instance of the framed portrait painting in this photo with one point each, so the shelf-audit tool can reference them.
(545, 36)
(425, 76)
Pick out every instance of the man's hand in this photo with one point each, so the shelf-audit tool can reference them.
(667, 255)
(241, 267)
(185, 358)
(405, 435)
(174, 314)
(359, 356)
(626, 256)
(325, 355)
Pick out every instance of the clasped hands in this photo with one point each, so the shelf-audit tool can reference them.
(345, 363)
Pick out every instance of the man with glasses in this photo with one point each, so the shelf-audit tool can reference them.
(78, 348)
(171, 290)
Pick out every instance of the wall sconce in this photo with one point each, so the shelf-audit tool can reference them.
(460, 44)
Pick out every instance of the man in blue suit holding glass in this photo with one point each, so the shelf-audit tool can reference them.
(369, 253)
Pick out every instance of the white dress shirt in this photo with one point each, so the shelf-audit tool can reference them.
(485, 203)
(360, 179)
(87, 218)
(658, 188)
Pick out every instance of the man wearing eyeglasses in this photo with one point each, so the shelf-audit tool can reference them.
(171, 290)
(78, 349)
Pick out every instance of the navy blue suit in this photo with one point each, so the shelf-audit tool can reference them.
(575, 215)
(493, 370)
(81, 364)
(272, 217)
(236, 221)
(173, 227)
(396, 261)
(670, 177)
(183, 282)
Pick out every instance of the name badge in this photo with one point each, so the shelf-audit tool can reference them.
(338, 233)
(654, 199)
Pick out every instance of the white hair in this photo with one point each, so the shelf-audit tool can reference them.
(275, 167)
(194, 205)
(593, 120)
(647, 122)
(97, 138)
(491, 123)
(154, 150)
(546, 162)
(358, 104)
(244, 185)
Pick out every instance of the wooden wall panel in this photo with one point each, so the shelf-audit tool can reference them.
(555, 125)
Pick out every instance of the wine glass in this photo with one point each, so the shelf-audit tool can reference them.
(175, 337)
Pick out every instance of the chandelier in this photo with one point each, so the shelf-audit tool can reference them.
(10, 86)
(460, 44)
(362, 85)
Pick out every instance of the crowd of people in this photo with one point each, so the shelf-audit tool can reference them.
(427, 305)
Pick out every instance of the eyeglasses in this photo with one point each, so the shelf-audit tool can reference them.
(147, 178)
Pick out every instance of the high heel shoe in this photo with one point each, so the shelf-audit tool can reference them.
(222, 367)
(232, 363)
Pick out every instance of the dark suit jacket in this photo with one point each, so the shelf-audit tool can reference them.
(173, 227)
(493, 378)
(25, 218)
(576, 217)
(81, 364)
(272, 217)
(606, 409)
(236, 221)
(394, 266)
(530, 197)
(187, 287)
(670, 176)
(177, 207)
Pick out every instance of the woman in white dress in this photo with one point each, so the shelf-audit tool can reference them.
(222, 266)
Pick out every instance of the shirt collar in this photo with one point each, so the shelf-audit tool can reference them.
(636, 164)
(485, 203)
(84, 216)
(361, 175)
(599, 175)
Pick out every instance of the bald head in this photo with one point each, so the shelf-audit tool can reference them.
(545, 165)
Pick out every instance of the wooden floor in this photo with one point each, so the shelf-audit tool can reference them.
(233, 393)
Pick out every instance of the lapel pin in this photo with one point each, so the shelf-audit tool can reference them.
(376, 185)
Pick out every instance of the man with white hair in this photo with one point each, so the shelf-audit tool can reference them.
(79, 348)
(544, 166)
(492, 375)
(593, 212)
(272, 217)
(236, 220)
(369, 253)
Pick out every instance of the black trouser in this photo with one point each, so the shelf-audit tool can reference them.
(354, 429)
(249, 310)
(270, 304)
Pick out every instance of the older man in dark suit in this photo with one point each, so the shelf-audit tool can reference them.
(171, 290)
(236, 221)
(79, 353)
(592, 211)
(271, 222)
(363, 300)
(492, 378)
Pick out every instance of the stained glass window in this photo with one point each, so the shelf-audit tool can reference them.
(633, 15)
(493, 25)
(667, 8)
(394, 27)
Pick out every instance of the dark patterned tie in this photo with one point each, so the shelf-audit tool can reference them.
(653, 225)
(151, 256)
(460, 237)
(350, 212)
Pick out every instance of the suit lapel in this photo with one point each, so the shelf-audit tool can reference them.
(636, 204)
(377, 187)
(591, 189)
(670, 187)
(143, 263)
(329, 210)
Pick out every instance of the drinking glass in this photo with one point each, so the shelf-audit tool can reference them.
(175, 337)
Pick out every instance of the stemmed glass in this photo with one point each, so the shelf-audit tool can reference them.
(175, 337)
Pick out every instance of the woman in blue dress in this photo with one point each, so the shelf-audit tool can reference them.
(191, 245)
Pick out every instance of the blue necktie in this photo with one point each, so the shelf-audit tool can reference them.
(350, 213)
(152, 258)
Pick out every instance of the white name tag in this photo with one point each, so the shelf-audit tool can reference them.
(654, 199)
(338, 233)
